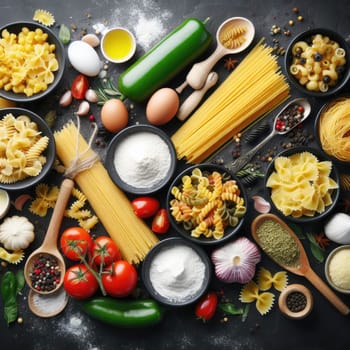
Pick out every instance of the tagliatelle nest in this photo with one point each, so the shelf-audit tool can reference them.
(44, 17)
(263, 301)
(13, 258)
(266, 280)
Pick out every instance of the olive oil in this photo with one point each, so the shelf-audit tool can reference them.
(118, 44)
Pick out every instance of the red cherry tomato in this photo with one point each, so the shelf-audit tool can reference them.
(104, 251)
(161, 223)
(119, 279)
(79, 87)
(206, 307)
(79, 282)
(75, 242)
(145, 207)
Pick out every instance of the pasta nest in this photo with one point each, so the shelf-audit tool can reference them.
(44, 17)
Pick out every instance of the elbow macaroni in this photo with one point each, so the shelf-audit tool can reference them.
(317, 66)
(27, 61)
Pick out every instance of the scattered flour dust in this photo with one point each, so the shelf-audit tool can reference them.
(146, 19)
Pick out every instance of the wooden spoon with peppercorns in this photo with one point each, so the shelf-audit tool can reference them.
(302, 268)
(292, 114)
(48, 251)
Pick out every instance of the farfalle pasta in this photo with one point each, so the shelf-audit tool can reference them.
(205, 203)
(301, 184)
(22, 147)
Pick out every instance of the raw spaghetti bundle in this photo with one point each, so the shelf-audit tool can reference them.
(254, 88)
(113, 208)
(334, 129)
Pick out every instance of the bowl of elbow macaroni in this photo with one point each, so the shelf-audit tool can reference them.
(317, 62)
(32, 61)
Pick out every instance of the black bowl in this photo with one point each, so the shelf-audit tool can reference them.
(323, 110)
(230, 231)
(164, 247)
(321, 156)
(131, 186)
(15, 28)
(49, 152)
(306, 36)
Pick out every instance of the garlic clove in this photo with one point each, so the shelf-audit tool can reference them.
(91, 96)
(66, 99)
(236, 261)
(261, 205)
(83, 108)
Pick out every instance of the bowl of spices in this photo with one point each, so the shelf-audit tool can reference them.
(337, 269)
(141, 159)
(176, 272)
(317, 62)
(302, 184)
(295, 301)
(206, 204)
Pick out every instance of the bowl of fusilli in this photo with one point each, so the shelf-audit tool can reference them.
(27, 148)
(317, 62)
(206, 204)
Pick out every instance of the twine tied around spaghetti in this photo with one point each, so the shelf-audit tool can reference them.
(78, 164)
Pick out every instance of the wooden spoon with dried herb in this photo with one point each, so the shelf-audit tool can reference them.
(283, 246)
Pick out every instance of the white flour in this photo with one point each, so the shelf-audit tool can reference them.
(146, 19)
(142, 160)
(177, 273)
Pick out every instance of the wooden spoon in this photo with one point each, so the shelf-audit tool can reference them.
(303, 268)
(49, 245)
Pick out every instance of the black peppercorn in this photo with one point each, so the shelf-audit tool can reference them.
(296, 301)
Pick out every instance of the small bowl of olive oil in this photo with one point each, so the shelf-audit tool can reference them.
(118, 45)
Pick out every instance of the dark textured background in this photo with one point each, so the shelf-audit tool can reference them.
(325, 328)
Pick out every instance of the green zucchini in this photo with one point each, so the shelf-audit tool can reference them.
(165, 60)
(123, 313)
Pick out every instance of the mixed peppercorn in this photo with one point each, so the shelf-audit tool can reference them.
(45, 274)
(289, 118)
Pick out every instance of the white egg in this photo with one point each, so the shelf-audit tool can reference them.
(84, 58)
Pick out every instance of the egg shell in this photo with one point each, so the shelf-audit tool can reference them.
(162, 106)
(84, 58)
(91, 39)
(114, 115)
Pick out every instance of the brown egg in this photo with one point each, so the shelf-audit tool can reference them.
(114, 115)
(162, 106)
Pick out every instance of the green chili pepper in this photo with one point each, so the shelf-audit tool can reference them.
(123, 313)
(172, 54)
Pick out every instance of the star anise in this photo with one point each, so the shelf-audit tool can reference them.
(322, 240)
(230, 63)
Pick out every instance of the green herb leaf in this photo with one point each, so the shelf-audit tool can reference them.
(20, 281)
(297, 230)
(316, 250)
(231, 309)
(10, 312)
(245, 312)
(64, 34)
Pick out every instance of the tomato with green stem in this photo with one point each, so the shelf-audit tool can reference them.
(75, 243)
(104, 251)
(206, 307)
(119, 279)
(79, 282)
(79, 87)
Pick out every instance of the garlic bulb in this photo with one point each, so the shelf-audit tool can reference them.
(236, 261)
(337, 229)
